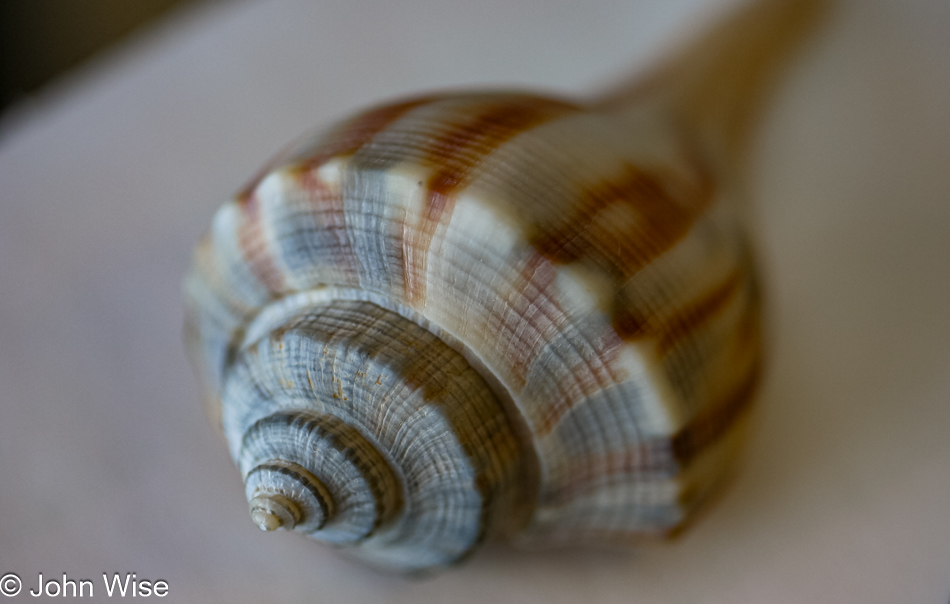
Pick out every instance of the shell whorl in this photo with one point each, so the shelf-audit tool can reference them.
(498, 315)
(352, 413)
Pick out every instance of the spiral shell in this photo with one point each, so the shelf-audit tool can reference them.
(484, 316)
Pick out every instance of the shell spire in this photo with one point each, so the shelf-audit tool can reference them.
(470, 317)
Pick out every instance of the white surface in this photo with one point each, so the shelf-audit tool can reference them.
(107, 462)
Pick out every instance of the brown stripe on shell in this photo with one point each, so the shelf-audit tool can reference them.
(633, 323)
(660, 217)
(658, 455)
(695, 315)
(345, 141)
(671, 331)
(254, 247)
(621, 226)
(532, 315)
(708, 426)
(361, 131)
(529, 317)
(456, 154)
(589, 375)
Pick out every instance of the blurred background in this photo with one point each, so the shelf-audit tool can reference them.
(110, 172)
(42, 39)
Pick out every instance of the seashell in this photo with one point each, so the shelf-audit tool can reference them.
(490, 316)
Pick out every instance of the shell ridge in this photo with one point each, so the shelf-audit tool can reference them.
(596, 340)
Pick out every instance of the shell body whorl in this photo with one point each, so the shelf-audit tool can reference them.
(479, 316)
